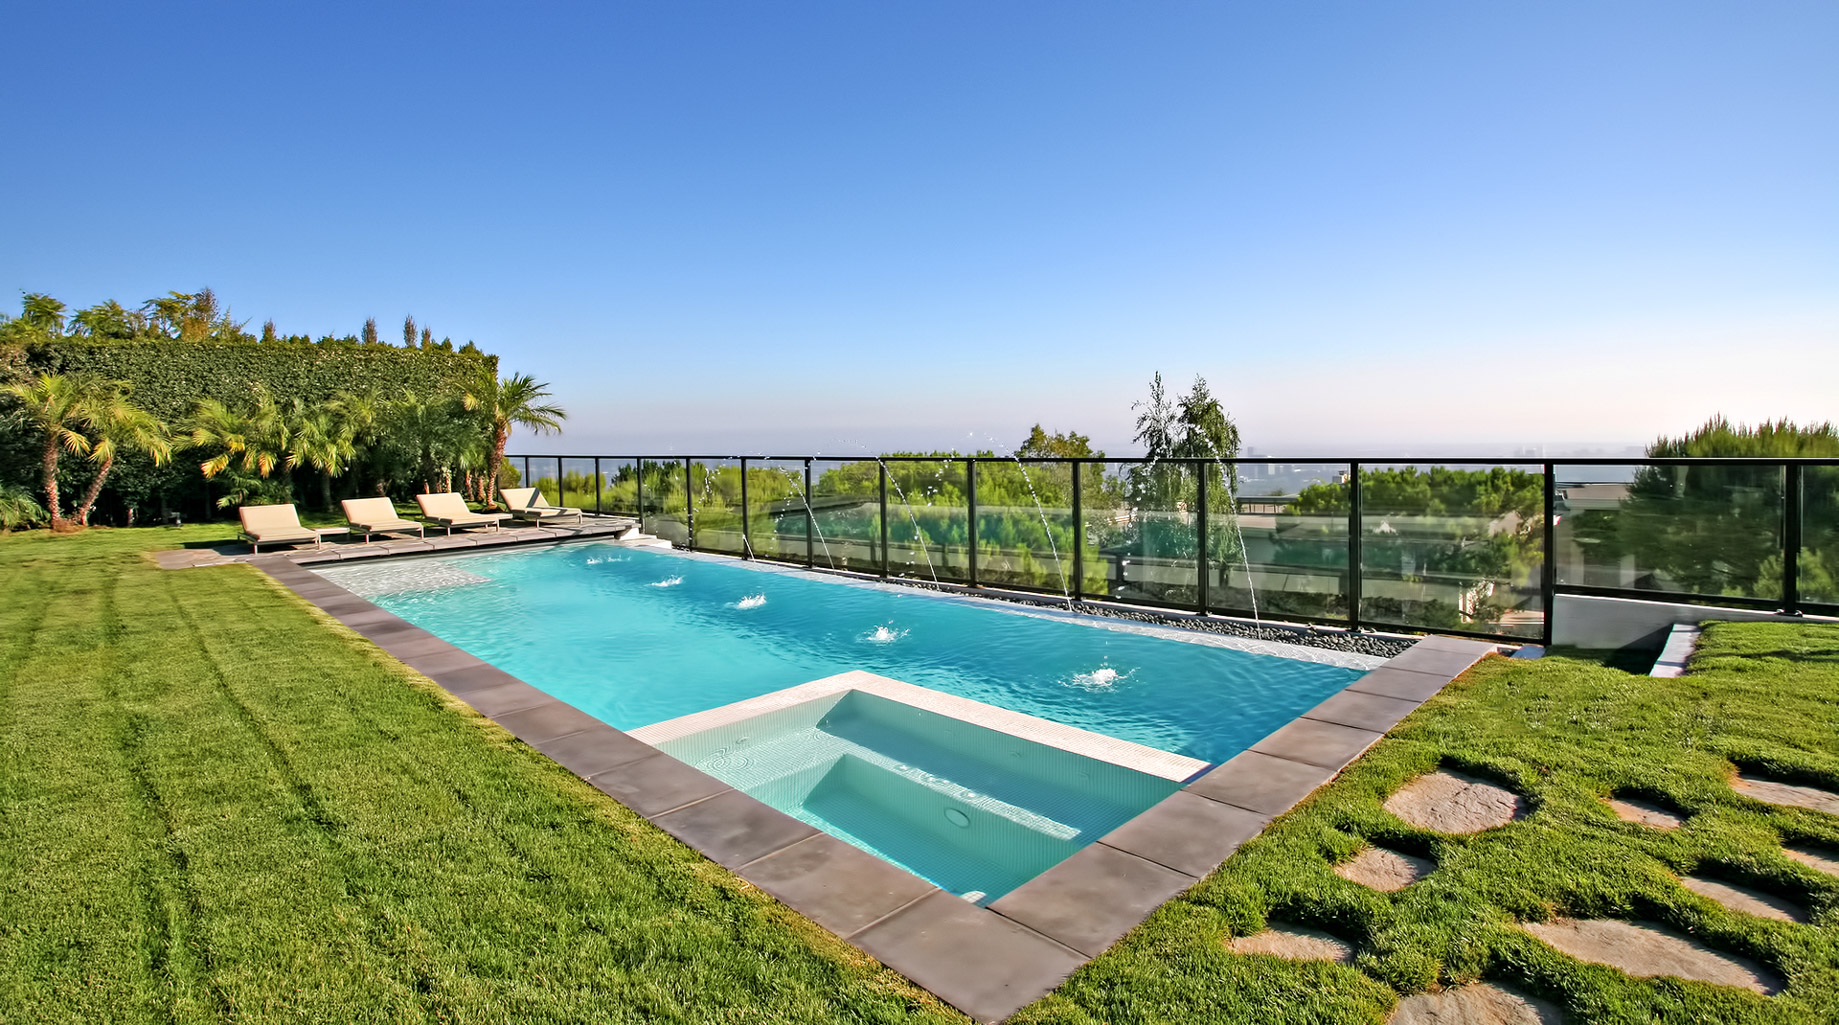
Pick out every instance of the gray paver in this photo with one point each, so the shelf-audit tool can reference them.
(1318, 743)
(438, 662)
(1090, 900)
(656, 785)
(505, 697)
(732, 829)
(593, 750)
(1261, 783)
(976, 960)
(1400, 683)
(461, 682)
(407, 643)
(1363, 711)
(1448, 656)
(834, 884)
(1187, 832)
(546, 721)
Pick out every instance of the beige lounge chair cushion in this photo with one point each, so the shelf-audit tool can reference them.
(529, 502)
(268, 523)
(449, 508)
(375, 515)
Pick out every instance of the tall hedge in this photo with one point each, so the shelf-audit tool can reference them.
(169, 377)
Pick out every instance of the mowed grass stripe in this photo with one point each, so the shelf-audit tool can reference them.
(86, 887)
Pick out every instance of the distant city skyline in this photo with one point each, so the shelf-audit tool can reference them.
(1431, 228)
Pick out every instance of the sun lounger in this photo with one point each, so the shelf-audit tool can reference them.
(277, 525)
(529, 504)
(449, 510)
(369, 516)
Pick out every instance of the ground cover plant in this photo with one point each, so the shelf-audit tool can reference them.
(216, 804)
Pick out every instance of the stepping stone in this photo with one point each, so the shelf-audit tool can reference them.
(1478, 1004)
(1384, 869)
(1816, 857)
(1744, 900)
(1450, 802)
(1629, 809)
(1650, 950)
(1774, 792)
(1294, 943)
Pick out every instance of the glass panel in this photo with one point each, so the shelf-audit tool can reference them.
(1143, 540)
(1452, 548)
(1278, 548)
(1818, 573)
(577, 484)
(928, 519)
(776, 525)
(1025, 524)
(846, 506)
(716, 487)
(620, 486)
(1702, 530)
(665, 503)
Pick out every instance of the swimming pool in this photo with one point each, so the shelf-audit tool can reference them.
(637, 636)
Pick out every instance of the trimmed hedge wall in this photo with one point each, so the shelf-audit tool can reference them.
(168, 378)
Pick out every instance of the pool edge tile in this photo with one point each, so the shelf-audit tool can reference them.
(835, 884)
(1188, 833)
(733, 829)
(657, 785)
(1261, 783)
(985, 965)
(1092, 899)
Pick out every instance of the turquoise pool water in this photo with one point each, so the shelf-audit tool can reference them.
(974, 810)
(635, 636)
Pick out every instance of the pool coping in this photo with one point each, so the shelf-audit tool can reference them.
(987, 961)
(1032, 728)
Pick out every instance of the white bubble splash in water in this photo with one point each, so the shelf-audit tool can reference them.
(1102, 678)
(884, 635)
(668, 582)
(752, 601)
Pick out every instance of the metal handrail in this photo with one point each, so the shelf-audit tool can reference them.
(1790, 601)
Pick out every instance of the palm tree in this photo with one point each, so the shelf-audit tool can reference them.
(43, 312)
(17, 508)
(254, 439)
(60, 407)
(321, 437)
(118, 424)
(514, 401)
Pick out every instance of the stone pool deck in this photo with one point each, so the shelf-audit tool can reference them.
(987, 961)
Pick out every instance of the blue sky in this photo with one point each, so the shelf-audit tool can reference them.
(806, 226)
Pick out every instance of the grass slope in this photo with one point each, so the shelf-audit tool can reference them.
(215, 805)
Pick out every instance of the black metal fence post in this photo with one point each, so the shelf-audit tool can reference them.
(810, 517)
(884, 519)
(1200, 535)
(1791, 540)
(689, 505)
(597, 485)
(527, 482)
(1353, 546)
(638, 490)
(1548, 571)
(561, 495)
(1079, 539)
(970, 510)
(746, 531)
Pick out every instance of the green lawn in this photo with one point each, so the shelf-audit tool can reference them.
(216, 804)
